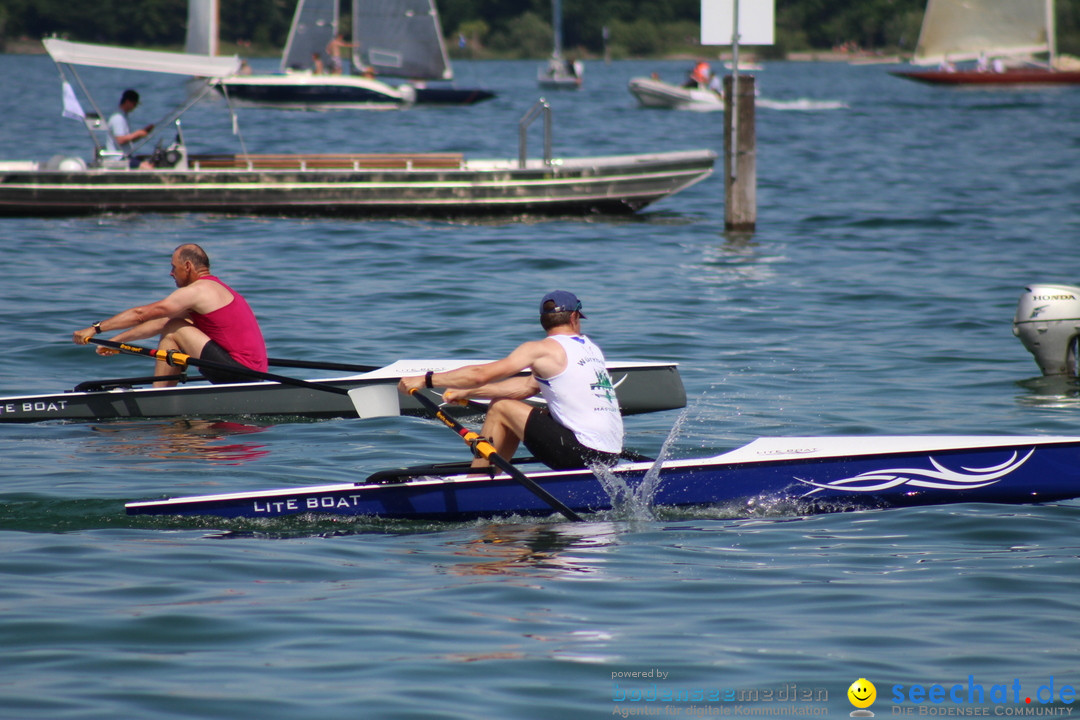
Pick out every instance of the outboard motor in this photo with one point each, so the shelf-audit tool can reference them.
(1048, 324)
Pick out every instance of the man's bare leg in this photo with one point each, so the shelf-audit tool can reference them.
(504, 426)
(180, 336)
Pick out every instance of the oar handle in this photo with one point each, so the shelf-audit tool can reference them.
(483, 448)
(181, 360)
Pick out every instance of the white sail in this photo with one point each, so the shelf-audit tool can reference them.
(314, 24)
(958, 30)
(202, 28)
(401, 38)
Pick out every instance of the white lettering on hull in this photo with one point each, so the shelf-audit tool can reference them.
(36, 406)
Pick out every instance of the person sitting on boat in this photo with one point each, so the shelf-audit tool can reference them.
(716, 85)
(581, 424)
(203, 318)
(333, 54)
(699, 75)
(121, 136)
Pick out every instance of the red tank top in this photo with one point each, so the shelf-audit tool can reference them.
(234, 328)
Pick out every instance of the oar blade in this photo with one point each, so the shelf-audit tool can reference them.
(378, 400)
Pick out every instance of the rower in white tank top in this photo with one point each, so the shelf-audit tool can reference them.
(582, 397)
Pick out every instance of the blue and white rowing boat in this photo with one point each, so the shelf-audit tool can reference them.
(816, 474)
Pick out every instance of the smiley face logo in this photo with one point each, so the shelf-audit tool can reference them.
(862, 693)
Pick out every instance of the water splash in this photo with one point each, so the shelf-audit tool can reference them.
(634, 501)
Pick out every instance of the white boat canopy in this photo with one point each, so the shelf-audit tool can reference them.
(71, 53)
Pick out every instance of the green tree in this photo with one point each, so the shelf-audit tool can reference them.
(525, 36)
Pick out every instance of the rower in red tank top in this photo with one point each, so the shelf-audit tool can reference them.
(203, 318)
(234, 328)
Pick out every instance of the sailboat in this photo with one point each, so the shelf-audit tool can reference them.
(995, 42)
(403, 39)
(301, 84)
(558, 73)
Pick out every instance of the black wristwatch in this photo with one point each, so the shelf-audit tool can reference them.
(427, 379)
(97, 328)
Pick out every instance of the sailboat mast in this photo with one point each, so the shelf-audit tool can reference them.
(1051, 31)
(557, 26)
(202, 28)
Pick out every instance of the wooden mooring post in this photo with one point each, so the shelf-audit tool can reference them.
(740, 155)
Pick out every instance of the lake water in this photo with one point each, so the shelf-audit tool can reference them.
(898, 225)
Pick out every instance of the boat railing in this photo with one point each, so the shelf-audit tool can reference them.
(541, 106)
(383, 161)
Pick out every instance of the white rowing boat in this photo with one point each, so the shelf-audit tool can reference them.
(640, 386)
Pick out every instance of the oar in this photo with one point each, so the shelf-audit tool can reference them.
(485, 449)
(180, 360)
(376, 400)
(313, 365)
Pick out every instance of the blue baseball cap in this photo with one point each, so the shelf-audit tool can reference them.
(563, 301)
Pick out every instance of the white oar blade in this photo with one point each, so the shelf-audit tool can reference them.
(380, 400)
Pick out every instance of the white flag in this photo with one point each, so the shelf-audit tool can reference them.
(72, 108)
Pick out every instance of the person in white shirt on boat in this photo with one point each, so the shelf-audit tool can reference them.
(716, 85)
(580, 426)
(121, 136)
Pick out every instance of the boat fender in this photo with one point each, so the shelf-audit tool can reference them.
(408, 93)
(65, 164)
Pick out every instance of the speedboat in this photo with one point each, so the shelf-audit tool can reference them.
(652, 92)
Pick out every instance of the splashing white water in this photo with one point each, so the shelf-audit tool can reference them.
(634, 501)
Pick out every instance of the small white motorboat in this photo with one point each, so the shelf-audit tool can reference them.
(655, 93)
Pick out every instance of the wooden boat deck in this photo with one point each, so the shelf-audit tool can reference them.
(380, 161)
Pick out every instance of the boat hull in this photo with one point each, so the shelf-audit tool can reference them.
(559, 83)
(438, 95)
(1009, 78)
(424, 185)
(809, 474)
(640, 387)
(298, 91)
(653, 93)
(340, 92)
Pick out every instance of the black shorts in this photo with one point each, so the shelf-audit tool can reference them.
(217, 354)
(557, 447)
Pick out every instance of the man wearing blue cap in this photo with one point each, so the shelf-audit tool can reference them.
(581, 424)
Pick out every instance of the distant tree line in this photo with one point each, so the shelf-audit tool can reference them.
(504, 28)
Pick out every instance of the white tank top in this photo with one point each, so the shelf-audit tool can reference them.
(582, 397)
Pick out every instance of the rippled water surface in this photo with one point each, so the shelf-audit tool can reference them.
(898, 225)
